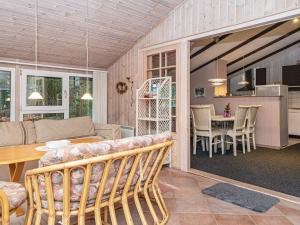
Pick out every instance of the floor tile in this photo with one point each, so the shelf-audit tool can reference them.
(233, 220)
(270, 220)
(295, 220)
(197, 218)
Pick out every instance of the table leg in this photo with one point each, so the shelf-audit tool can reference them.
(15, 172)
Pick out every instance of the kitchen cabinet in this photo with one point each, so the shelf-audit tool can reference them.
(294, 121)
(291, 75)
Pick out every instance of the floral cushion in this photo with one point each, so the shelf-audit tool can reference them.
(15, 192)
(81, 151)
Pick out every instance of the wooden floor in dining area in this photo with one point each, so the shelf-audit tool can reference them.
(188, 206)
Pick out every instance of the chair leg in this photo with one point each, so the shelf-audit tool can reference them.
(234, 145)
(38, 218)
(253, 140)
(243, 144)
(248, 142)
(203, 144)
(215, 145)
(206, 143)
(29, 216)
(210, 147)
(195, 144)
(222, 144)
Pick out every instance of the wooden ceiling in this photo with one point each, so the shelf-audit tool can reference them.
(244, 47)
(114, 27)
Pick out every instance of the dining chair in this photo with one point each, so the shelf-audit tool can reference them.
(250, 127)
(239, 128)
(202, 128)
(12, 196)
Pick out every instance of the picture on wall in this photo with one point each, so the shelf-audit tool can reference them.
(199, 92)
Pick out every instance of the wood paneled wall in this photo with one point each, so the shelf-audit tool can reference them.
(190, 18)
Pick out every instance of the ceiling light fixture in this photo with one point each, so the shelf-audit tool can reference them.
(35, 95)
(217, 81)
(296, 20)
(87, 95)
(243, 81)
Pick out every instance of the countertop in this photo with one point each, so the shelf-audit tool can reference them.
(247, 96)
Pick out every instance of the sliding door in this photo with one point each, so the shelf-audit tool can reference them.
(7, 95)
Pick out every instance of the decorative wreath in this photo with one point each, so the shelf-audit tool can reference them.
(121, 87)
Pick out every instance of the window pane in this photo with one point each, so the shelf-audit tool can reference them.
(78, 87)
(5, 91)
(171, 58)
(39, 116)
(49, 87)
(153, 61)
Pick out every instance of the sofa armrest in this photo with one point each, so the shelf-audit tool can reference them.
(4, 205)
(108, 131)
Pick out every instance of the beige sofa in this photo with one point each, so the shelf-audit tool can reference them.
(28, 132)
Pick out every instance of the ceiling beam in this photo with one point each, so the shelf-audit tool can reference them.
(264, 57)
(217, 40)
(265, 46)
(263, 32)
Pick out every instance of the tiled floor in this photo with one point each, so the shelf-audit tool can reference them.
(188, 206)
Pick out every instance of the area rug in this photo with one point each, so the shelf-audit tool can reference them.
(245, 198)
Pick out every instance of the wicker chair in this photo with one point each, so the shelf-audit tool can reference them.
(12, 196)
(95, 178)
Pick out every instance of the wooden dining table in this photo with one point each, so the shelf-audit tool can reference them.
(16, 156)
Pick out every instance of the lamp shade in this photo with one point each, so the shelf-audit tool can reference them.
(243, 82)
(87, 96)
(217, 83)
(35, 96)
(217, 80)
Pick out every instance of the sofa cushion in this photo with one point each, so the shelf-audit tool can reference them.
(11, 133)
(30, 134)
(48, 130)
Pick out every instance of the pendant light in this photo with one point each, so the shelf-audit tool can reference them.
(87, 95)
(217, 81)
(35, 95)
(243, 81)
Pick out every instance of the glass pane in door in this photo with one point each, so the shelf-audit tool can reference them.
(5, 95)
(40, 116)
(171, 58)
(78, 87)
(50, 88)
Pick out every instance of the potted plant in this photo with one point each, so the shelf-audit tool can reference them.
(227, 110)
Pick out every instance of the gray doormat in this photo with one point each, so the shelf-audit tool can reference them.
(245, 198)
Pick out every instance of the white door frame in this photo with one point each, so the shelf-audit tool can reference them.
(184, 88)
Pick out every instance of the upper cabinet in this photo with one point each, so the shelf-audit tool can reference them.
(291, 75)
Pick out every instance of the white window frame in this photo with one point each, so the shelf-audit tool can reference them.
(64, 108)
(12, 92)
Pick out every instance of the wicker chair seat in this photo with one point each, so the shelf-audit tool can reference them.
(15, 192)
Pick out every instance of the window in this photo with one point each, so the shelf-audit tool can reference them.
(39, 116)
(78, 86)
(6, 95)
(164, 64)
(49, 87)
(60, 95)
